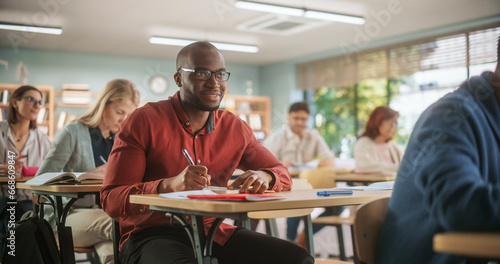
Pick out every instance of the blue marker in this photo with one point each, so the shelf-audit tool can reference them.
(328, 193)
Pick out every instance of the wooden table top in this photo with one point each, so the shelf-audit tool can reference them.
(62, 188)
(364, 177)
(4, 179)
(469, 244)
(293, 200)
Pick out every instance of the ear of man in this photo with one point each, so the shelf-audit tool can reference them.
(178, 79)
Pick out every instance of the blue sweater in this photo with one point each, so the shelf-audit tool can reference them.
(449, 179)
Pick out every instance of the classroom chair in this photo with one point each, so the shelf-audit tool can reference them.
(321, 178)
(116, 240)
(367, 225)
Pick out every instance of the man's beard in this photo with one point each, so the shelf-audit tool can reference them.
(191, 99)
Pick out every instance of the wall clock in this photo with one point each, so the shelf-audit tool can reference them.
(158, 84)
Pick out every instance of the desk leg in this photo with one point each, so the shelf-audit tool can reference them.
(66, 248)
(198, 237)
(203, 244)
(309, 233)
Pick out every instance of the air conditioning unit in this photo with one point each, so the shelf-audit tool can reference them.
(280, 24)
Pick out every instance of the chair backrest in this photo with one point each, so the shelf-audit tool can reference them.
(322, 177)
(367, 225)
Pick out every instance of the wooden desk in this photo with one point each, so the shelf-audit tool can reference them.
(5, 179)
(74, 192)
(469, 244)
(238, 210)
(365, 179)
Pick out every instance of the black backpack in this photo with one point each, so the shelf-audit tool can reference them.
(34, 242)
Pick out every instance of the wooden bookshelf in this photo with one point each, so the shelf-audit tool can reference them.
(256, 110)
(49, 97)
(70, 111)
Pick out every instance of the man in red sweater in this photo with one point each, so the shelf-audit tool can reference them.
(147, 159)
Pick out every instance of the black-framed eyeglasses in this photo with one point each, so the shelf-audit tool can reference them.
(33, 101)
(203, 75)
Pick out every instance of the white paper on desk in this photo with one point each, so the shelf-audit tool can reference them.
(376, 186)
(183, 195)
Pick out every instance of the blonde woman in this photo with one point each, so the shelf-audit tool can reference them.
(85, 146)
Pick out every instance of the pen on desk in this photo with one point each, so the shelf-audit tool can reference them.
(103, 160)
(328, 193)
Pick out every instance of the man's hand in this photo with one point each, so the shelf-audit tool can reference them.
(193, 177)
(258, 181)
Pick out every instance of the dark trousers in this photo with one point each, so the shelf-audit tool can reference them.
(171, 245)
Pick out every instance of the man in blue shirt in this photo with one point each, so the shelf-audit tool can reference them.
(449, 179)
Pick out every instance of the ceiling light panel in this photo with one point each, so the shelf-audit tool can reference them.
(285, 10)
(31, 28)
(218, 45)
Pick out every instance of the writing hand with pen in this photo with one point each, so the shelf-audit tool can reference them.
(252, 182)
(193, 177)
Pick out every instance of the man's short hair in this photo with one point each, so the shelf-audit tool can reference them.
(300, 106)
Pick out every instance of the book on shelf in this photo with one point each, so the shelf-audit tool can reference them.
(76, 97)
(76, 94)
(3, 116)
(50, 178)
(76, 87)
(5, 96)
(41, 116)
(255, 122)
(62, 120)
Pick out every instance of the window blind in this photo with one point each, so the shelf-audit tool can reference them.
(459, 49)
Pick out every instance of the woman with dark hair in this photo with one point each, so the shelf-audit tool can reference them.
(21, 136)
(374, 150)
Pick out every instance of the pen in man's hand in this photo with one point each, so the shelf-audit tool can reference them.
(188, 157)
(103, 160)
(190, 160)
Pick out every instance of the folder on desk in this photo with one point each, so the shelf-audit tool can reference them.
(237, 197)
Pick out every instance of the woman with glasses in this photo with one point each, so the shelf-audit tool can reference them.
(21, 137)
(84, 146)
(374, 150)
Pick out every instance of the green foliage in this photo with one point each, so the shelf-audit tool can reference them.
(341, 112)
